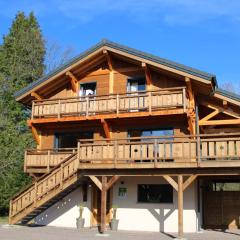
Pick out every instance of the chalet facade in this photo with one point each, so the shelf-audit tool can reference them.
(116, 126)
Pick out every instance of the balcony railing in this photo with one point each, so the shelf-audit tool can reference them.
(147, 101)
(44, 160)
(172, 151)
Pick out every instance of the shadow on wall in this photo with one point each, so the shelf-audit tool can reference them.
(60, 208)
(161, 217)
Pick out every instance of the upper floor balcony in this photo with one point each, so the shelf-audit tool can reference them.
(166, 101)
(147, 152)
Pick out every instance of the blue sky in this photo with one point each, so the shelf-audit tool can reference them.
(204, 34)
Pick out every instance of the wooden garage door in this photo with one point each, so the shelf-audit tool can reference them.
(221, 209)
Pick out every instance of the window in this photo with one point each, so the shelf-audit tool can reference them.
(136, 84)
(69, 140)
(223, 186)
(155, 193)
(150, 132)
(87, 89)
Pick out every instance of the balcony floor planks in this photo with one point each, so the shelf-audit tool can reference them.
(162, 112)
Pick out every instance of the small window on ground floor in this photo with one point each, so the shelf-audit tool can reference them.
(155, 193)
(226, 186)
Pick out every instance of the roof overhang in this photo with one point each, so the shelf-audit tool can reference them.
(122, 50)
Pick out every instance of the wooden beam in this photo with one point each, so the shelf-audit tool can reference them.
(109, 60)
(147, 74)
(35, 134)
(220, 122)
(226, 111)
(106, 128)
(191, 114)
(171, 181)
(112, 181)
(36, 95)
(209, 116)
(180, 207)
(225, 104)
(189, 181)
(96, 181)
(73, 81)
(103, 204)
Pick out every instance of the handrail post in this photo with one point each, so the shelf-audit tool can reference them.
(184, 100)
(198, 149)
(150, 101)
(33, 106)
(115, 152)
(61, 176)
(59, 108)
(48, 161)
(35, 195)
(155, 152)
(78, 152)
(25, 161)
(117, 104)
(10, 209)
(87, 107)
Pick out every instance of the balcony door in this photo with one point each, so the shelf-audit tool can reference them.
(70, 139)
(135, 88)
(147, 150)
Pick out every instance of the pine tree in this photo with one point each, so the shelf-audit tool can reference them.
(21, 62)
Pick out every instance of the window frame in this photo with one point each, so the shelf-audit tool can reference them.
(155, 184)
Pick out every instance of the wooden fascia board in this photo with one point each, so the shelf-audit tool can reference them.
(63, 72)
(158, 65)
(219, 96)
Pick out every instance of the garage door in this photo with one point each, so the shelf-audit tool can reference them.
(221, 209)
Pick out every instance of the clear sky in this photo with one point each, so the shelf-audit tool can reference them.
(204, 34)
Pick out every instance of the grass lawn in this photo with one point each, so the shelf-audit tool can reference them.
(3, 219)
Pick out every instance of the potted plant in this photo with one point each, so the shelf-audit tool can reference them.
(80, 220)
(114, 221)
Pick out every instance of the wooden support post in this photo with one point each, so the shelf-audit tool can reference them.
(35, 134)
(96, 181)
(106, 128)
(147, 76)
(73, 81)
(180, 207)
(112, 181)
(111, 73)
(103, 204)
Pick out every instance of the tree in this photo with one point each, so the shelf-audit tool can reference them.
(21, 62)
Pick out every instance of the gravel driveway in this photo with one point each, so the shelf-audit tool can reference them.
(52, 233)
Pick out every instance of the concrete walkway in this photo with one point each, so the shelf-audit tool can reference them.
(53, 233)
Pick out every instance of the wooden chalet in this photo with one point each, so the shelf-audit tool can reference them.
(119, 126)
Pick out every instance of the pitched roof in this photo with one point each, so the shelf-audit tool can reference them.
(228, 94)
(117, 46)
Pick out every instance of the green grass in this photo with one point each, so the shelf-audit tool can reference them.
(3, 219)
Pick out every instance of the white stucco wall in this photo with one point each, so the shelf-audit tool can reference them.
(65, 212)
(153, 217)
(131, 215)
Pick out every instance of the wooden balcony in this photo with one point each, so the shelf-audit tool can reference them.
(113, 105)
(42, 161)
(161, 152)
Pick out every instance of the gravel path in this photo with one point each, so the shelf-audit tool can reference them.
(53, 233)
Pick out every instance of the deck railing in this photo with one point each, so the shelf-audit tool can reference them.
(45, 159)
(114, 103)
(137, 151)
(161, 149)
